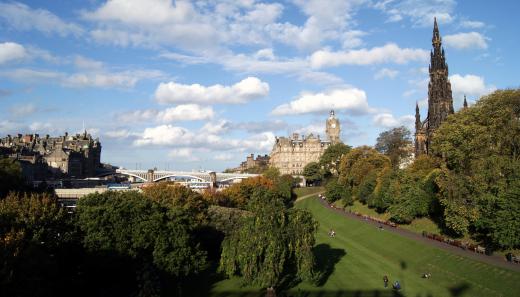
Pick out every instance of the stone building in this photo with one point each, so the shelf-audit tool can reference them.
(290, 155)
(75, 156)
(440, 100)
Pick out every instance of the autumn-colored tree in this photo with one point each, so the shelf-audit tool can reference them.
(331, 157)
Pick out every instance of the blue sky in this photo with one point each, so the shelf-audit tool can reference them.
(201, 84)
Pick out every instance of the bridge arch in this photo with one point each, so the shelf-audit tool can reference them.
(179, 175)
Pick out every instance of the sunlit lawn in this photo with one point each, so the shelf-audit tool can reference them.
(356, 260)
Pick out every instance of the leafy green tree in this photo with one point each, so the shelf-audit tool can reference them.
(170, 194)
(388, 188)
(271, 245)
(35, 234)
(395, 143)
(131, 225)
(480, 149)
(11, 178)
(331, 157)
(312, 173)
(357, 165)
(336, 191)
(272, 173)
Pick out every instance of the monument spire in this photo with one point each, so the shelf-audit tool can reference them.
(465, 102)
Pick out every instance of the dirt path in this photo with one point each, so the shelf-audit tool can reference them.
(495, 260)
(309, 195)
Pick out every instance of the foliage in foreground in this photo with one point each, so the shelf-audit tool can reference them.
(273, 246)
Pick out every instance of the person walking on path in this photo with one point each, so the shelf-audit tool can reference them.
(385, 280)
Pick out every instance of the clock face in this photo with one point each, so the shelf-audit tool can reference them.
(333, 125)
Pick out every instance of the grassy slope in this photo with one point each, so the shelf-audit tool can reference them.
(360, 255)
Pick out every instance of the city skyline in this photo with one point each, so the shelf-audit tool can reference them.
(191, 85)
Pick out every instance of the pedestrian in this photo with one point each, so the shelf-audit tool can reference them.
(385, 280)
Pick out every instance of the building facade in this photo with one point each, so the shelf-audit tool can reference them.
(46, 157)
(291, 154)
(440, 100)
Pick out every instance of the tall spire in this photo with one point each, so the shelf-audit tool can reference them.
(465, 102)
(436, 39)
(417, 117)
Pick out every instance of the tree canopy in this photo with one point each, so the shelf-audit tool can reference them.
(395, 143)
(331, 157)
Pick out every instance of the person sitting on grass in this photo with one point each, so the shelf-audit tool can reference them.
(397, 286)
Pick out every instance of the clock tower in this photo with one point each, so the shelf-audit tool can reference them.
(332, 128)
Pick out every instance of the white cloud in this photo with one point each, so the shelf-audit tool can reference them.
(186, 112)
(349, 99)
(125, 79)
(218, 127)
(40, 127)
(11, 51)
(466, 40)
(389, 53)
(183, 155)
(23, 110)
(21, 17)
(385, 72)
(224, 157)
(246, 90)
(179, 137)
(472, 24)
(120, 134)
(470, 85)
(387, 120)
(30, 75)
(87, 64)
(420, 12)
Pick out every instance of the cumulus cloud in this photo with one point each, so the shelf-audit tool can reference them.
(466, 40)
(183, 155)
(21, 17)
(186, 112)
(174, 136)
(389, 53)
(385, 72)
(387, 120)
(470, 85)
(246, 90)
(348, 99)
(11, 51)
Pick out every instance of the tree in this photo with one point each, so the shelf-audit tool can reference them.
(395, 143)
(312, 173)
(331, 157)
(271, 245)
(357, 165)
(11, 178)
(170, 194)
(480, 150)
(272, 173)
(155, 237)
(336, 191)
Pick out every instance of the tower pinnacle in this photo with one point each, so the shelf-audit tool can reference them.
(465, 102)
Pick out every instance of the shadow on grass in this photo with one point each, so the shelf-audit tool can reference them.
(326, 259)
(341, 293)
(458, 290)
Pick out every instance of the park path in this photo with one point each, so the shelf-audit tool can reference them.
(309, 195)
(496, 260)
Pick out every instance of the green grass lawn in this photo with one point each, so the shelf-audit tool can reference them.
(307, 191)
(355, 261)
